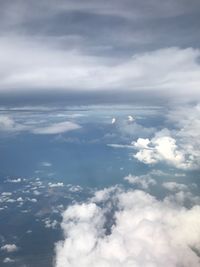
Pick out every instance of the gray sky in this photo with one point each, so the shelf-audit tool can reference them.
(99, 49)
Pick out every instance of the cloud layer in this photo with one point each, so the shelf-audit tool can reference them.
(9, 125)
(74, 46)
(166, 72)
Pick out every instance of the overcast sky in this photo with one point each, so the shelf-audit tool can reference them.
(100, 50)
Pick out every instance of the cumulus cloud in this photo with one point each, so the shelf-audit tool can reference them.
(9, 248)
(174, 186)
(50, 223)
(8, 260)
(179, 146)
(160, 148)
(186, 120)
(59, 184)
(144, 232)
(143, 181)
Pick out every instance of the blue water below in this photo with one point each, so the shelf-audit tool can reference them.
(81, 157)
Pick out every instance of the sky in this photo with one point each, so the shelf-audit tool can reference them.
(99, 51)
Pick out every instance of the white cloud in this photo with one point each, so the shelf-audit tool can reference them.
(113, 121)
(183, 197)
(119, 146)
(179, 146)
(50, 223)
(174, 186)
(20, 199)
(144, 232)
(130, 118)
(75, 188)
(186, 119)
(144, 181)
(34, 66)
(59, 184)
(46, 164)
(11, 200)
(162, 147)
(9, 248)
(9, 125)
(8, 260)
(56, 128)
(6, 194)
(17, 180)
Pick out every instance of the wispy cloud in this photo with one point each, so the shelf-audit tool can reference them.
(10, 125)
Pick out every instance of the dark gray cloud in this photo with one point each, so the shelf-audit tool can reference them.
(81, 45)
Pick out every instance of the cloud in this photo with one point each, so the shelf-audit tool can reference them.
(17, 180)
(74, 188)
(6, 194)
(178, 146)
(56, 128)
(74, 70)
(9, 248)
(8, 260)
(119, 146)
(46, 164)
(174, 186)
(143, 181)
(186, 120)
(59, 184)
(50, 223)
(144, 232)
(10, 125)
(160, 148)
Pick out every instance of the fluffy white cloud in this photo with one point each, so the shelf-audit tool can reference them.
(174, 186)
(8, 260)
(160, 148)
(50, 223)
(144, 181)
(9, 248)
(186, 119)
(59, 184)
(180, 146)
(145, 232)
